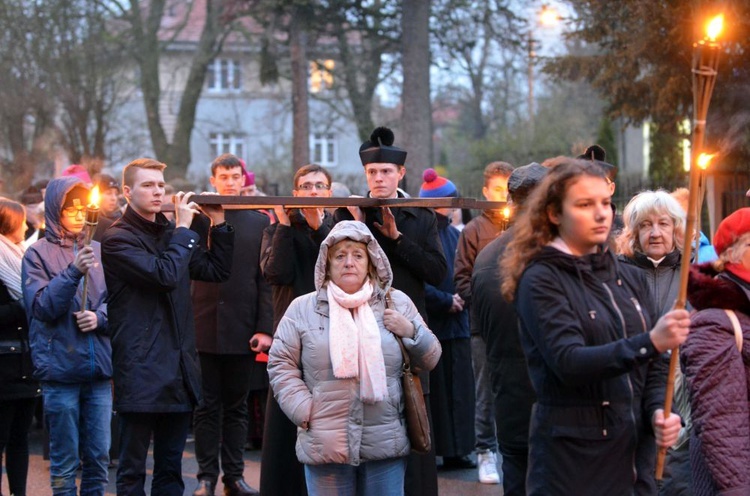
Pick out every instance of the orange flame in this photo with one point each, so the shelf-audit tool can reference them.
(94, 198)
(506, 213)
(704, 160)
(714, 27)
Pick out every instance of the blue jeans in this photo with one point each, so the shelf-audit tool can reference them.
(376, 478)
(78, 417)
(484, 415)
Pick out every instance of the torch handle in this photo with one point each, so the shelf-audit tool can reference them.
(84, 293)
(669, 394)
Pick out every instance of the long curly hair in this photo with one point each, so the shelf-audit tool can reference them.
(642, 205)
(533, 229)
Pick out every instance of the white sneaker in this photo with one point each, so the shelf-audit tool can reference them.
(487, 466)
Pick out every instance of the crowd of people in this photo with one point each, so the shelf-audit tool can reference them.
(541, 337)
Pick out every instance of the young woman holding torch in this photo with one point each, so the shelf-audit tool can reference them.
(594, 352)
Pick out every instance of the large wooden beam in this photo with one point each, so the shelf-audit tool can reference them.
(268, 202)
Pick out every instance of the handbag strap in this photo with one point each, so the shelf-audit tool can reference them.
(736, 326)
(407, 361)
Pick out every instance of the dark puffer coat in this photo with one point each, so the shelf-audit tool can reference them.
(663, 280)
(597, 376)
(718, 375)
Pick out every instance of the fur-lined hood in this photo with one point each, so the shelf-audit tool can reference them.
(708, 288)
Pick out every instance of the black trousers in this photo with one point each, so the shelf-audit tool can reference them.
(280, 471)
(421, 470)
(15, 420)
(170, 431)
(220, 421)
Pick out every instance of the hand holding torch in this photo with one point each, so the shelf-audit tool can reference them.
(704, 69)
(92, 220)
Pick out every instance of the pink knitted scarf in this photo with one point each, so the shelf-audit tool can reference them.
(354, 341)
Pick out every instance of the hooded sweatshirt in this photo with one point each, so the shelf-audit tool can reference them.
(53, 290)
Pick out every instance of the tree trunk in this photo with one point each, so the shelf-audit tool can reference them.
(177, 153)
(363, 72)
(300, 105)
(146, 51)
(416, 116)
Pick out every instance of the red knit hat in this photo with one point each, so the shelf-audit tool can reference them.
(731, 229)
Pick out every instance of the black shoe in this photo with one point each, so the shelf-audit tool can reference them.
(457, 463)
(205, 488)
(239, 488)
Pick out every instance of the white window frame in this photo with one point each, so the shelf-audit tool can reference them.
(219, 80)
(220, 143)
(324, 149)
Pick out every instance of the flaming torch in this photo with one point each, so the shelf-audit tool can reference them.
(705, 64)
(704, 160)
(507, 213)
(92, 220)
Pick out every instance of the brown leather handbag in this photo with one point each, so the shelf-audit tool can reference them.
(415, 410)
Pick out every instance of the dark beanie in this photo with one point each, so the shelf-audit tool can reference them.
(524, 179)
(105, 182)
(379, 149)
(76, 197)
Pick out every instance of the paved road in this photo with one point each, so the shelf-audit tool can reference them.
(454, 483)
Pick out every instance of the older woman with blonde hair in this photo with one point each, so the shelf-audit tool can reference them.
(652, 241)
(716, 360)
(335, 368)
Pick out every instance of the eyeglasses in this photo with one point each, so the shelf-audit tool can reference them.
(74, 212)
(311, 186)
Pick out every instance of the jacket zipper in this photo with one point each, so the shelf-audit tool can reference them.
(630, 383)
(640, 313)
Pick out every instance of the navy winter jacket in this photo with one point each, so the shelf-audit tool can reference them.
(148, 266)
(52, 291)
(439, 299)
(597, 376)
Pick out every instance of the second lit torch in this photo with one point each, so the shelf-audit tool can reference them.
(92, 221)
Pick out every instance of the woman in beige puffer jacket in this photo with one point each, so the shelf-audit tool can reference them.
(340, 433)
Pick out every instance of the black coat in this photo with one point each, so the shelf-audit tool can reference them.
(288, 261)
(597, 376)
(417, 258)
(227, 314)
(288, 257)
(148, 267)
(496, 321)
(663, 280)
(16, 370)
